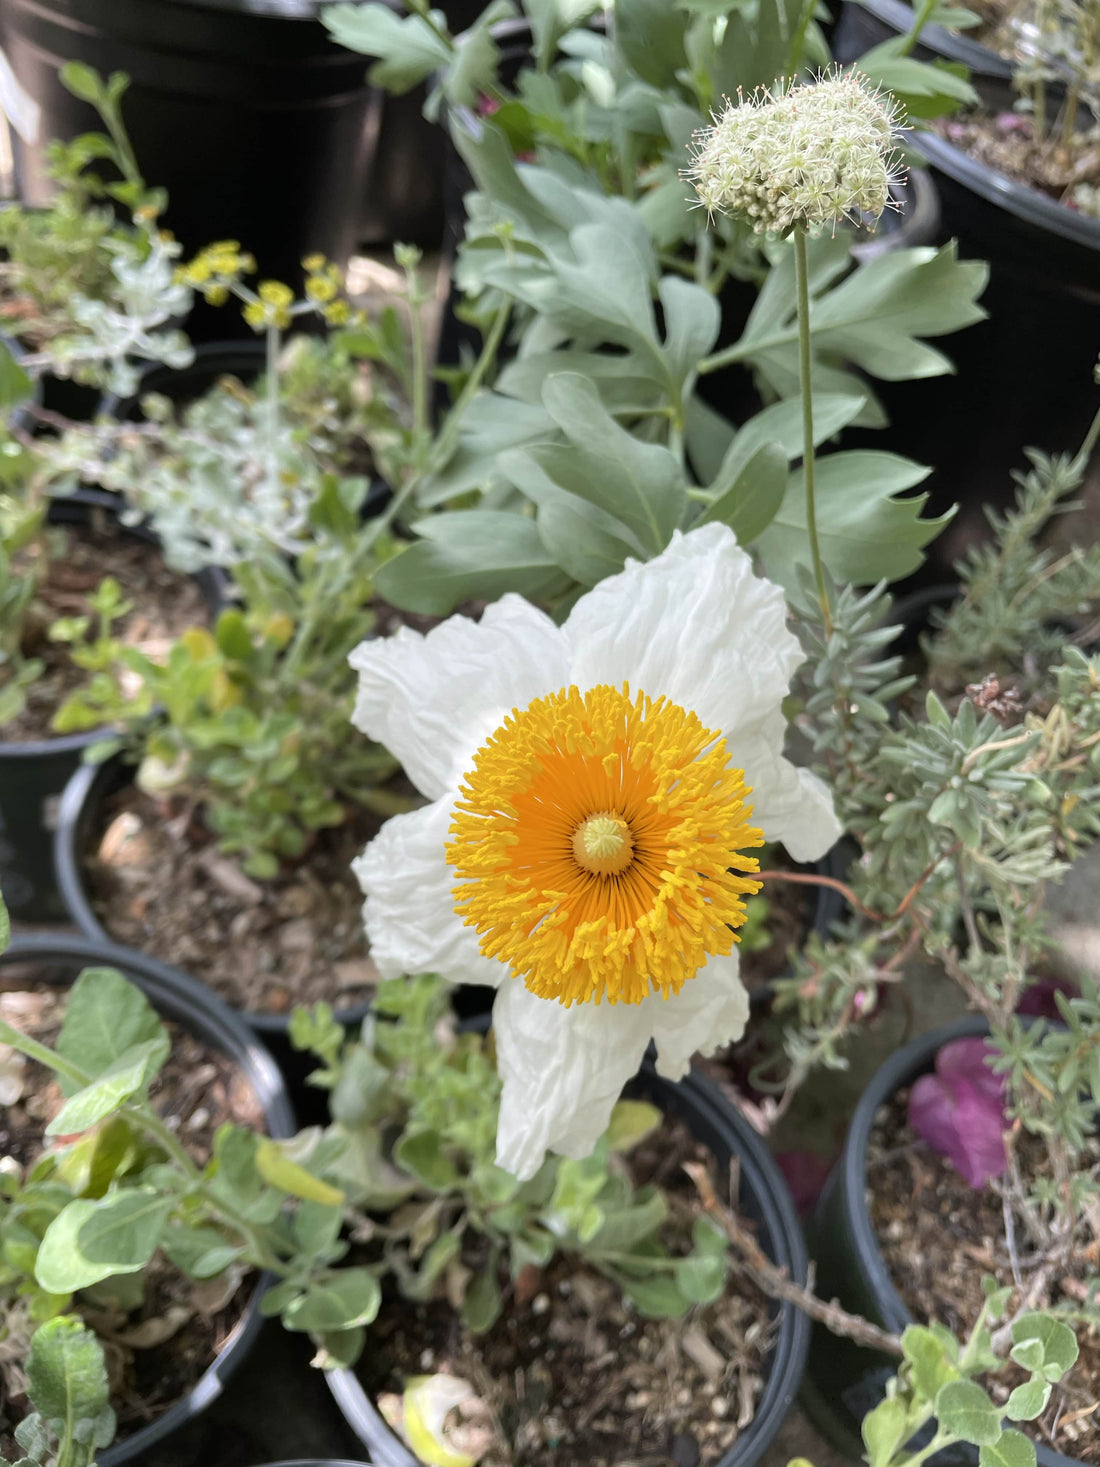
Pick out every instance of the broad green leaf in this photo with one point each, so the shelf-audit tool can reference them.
(752, 500)
(781, 423)
(91, 1240)
(1058, 1341)
(1029, 1400)
(929, 1364)
(5, 924)
(866, 534)
(604, 281)
(877, 318)
(344, 1300)
(655, 1298)
(884, 1430)
(82, 81)
(407, 48)
(481, 553)
(585, 541)
(280, 1171)
(650, 35)
(622, 1228)
(639, 484)
(964, 1408)
(421, 1284)
(339, 1349)
(925, 89)
(423, 1155)
(200, 1252)
(1012, 1449)
(622, 381)
(482, 1304)
(692, 321)
(473, 70)
(67, 1384)
(105, 1015)
(701, 1277)
(128, 1075)
(491, 424)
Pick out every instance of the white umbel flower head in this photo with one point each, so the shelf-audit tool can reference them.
(584, 848)
(810, 156)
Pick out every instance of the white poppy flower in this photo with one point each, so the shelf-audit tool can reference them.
(584, 851)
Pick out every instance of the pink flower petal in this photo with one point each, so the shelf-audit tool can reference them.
(962, 1122)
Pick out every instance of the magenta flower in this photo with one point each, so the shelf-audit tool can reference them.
(960, 1110)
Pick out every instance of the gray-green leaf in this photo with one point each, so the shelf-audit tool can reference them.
(964, 1408)
(91, 1240)
(105, 1015)
(127, 1076)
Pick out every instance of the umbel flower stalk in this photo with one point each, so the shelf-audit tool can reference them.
(800, 160)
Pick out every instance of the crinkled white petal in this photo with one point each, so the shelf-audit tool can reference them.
(789, 804)
(696, 624)
(409, 912)
(709, 1012)
(432, 699)
(564, 1069)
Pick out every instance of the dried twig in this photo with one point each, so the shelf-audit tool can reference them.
(778, 1284)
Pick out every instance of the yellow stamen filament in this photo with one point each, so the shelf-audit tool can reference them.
(599, 842)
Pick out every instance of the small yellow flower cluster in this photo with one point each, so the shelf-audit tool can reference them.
(807, 157)
(215, 268)
(272, 308)
(324, 287)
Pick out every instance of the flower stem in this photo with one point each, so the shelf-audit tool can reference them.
(805, 377)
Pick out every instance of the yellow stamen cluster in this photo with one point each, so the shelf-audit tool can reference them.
(272, 308)
(215, 269)
(598, 840)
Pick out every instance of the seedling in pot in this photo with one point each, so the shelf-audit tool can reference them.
(116, 1199)
(87, 296)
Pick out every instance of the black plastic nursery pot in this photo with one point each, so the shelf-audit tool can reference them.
(763, 1200)
(33, 774)
(403, 197)
(1022, 377)
(58, 960)
(844, 1381)
(245, 110)
(77, 815)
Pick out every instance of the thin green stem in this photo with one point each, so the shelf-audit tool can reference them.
(121, 139)
(445, 442)
(271, 366)
(805, 378)
(419, 384)
(43, 1055)
(921, 17)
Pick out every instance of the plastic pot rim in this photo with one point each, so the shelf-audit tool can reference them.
(903, 1065)
(169, 989)
(1023, 202)
(705, 1105)
(83, 787)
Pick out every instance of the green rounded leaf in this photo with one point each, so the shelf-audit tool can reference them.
(1028, 1401)
(343, 1301)
(1013, 1449)
(964, 1408)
